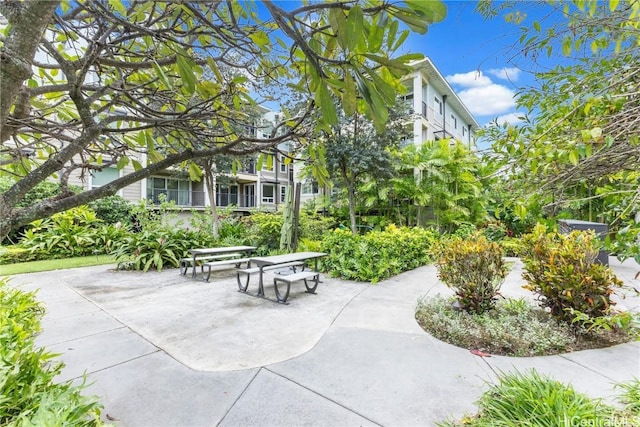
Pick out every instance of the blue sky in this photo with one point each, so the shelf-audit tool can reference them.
(472, 54)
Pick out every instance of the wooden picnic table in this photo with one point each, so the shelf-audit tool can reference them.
(208, 252)
(275, 260)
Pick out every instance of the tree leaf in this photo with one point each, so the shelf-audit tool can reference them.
(186, 73)
(349, 96)
(573, 157)
(195, 173)
(354, 26)
(433, 11)
(327, 106)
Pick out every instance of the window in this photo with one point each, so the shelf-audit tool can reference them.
(176, 190)
(283, 193)
(437, 105)
(283, 165)
(454, 120)
(226, 195)
(267, 163)
(268, 193)
(310, 187)
(464, 131)
(105, 176)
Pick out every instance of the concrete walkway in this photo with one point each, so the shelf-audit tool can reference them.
(161, 349)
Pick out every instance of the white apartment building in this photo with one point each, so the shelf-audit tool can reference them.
(249, 188)
(438, 113)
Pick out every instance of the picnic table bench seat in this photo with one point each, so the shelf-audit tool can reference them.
(302, 276)
(208, 265)
(185, 263)
(250, 270)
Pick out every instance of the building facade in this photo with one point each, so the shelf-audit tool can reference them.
(436, 110)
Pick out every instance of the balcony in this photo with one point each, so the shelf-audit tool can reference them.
(180, 197)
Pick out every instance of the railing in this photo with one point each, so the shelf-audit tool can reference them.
(180, 197)
(226, 199)
(248, 201)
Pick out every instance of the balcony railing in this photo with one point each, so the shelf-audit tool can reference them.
(226, 199)
(248, 201)
(180, 197)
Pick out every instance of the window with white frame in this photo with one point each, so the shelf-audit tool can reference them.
(169, 189)
(103, 177)
(267, 164)
(283, 193)
(226, 195)
(464, 131)
(310, 187)
(268, 193)
(454, 120)
(283, 166)
(437, 105)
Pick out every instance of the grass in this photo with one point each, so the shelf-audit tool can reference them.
(530, 399)
(512, 328)
(54, 264)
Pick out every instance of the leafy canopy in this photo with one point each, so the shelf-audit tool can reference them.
(145, 85)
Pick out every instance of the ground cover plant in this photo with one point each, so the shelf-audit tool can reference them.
(28, 394)
(530, 399)
(512, 327)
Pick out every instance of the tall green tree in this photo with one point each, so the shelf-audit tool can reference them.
(442, 181)
(90, 84)
(355, 150)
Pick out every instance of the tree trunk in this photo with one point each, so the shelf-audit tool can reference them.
(210, 183)
(352, 207)
(27, 22)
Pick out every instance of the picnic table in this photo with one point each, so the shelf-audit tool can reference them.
(209, 253)
(282, 260)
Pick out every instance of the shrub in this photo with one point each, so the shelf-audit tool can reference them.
(530, 399)
(377, 255)
(65, 234)
(315, 227)
(158, 247)
(561, 270)
(474, 269)
(494, 231)
(28, 394)
(264, 230)
(113, 209)
(630, 395)
(13, 254)
(511, 246)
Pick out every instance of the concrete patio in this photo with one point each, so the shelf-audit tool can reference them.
(161, 349)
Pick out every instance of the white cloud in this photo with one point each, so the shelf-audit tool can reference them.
(488, 100)
(507, 73)
(511, 118)
(470, 79)
(481, 95)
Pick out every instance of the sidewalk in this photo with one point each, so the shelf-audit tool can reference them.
(161, 349)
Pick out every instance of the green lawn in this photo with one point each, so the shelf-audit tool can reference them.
(54, 264)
